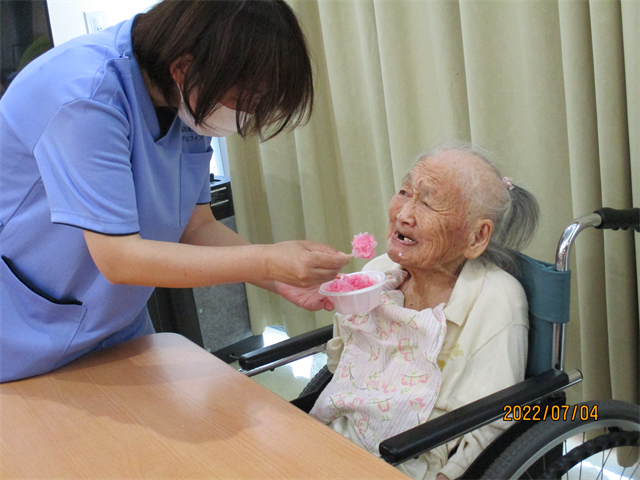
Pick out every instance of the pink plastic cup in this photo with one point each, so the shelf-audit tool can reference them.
(357, 301)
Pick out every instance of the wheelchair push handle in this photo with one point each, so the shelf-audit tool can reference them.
(619, 219)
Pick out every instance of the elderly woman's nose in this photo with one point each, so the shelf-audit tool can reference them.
(406, 212)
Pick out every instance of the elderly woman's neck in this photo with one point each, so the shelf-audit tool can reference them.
(428, 289)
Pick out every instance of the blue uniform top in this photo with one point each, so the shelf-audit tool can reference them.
(80, 149)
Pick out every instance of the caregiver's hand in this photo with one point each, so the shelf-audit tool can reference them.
(308, 298)
(303, 263)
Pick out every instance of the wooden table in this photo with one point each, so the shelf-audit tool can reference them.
(162, 407)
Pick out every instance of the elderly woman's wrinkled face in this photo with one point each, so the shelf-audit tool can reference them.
(428, 217)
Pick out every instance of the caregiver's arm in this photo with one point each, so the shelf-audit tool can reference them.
(209, 254)
(204, 229)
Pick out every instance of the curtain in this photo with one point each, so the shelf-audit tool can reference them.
(551, 87)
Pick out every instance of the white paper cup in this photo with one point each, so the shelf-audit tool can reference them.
(357, 301)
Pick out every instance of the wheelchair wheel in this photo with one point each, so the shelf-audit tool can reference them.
(318, 382)
(563, 448)
(599, 448)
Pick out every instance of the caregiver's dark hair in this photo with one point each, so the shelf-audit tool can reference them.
(254, 45)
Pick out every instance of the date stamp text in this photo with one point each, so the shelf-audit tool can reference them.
(516, 413)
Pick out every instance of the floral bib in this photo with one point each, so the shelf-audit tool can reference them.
(387, 379)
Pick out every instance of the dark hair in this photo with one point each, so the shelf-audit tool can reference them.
(256, 46)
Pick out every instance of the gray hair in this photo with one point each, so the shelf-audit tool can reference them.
(513, 209)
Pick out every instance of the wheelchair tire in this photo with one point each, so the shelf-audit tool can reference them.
(539, 453)
(608, 441)
(318, 382)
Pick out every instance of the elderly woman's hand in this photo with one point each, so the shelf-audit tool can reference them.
(442, 476)
(305, 297)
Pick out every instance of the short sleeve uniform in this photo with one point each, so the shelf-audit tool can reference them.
(80, 149)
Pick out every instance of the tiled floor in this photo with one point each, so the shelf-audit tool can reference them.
(288, 381)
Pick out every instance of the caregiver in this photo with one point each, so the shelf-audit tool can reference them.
(104, 185)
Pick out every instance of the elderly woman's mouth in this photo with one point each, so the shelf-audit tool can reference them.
(404, 239)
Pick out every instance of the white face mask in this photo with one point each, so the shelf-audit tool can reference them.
(220, 123)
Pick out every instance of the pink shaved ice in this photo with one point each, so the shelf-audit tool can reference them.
(364, 246)
(350, 283)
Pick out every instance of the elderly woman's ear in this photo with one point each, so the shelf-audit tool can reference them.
(479, 238)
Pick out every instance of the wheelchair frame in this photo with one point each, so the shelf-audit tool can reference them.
(545, 388)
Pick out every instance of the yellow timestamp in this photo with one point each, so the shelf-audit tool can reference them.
(516, 413)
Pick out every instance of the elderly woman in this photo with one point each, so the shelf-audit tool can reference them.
(451, 326)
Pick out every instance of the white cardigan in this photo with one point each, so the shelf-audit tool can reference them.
(485, 350)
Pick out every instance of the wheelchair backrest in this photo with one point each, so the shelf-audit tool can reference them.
(548, 293)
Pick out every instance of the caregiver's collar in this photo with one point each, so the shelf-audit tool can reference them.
(125, 48)
(465, 291)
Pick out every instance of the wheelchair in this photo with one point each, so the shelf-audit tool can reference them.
(533, 447)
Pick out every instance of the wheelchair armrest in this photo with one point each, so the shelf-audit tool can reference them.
(286, 348)
(443, 429)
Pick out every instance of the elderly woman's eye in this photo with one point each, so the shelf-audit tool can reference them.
(402, 192)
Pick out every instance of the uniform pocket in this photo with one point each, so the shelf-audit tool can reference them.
(35, 331)
(194, 172)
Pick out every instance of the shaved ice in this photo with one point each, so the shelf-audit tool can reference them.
(364, 246)
(350, 283)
